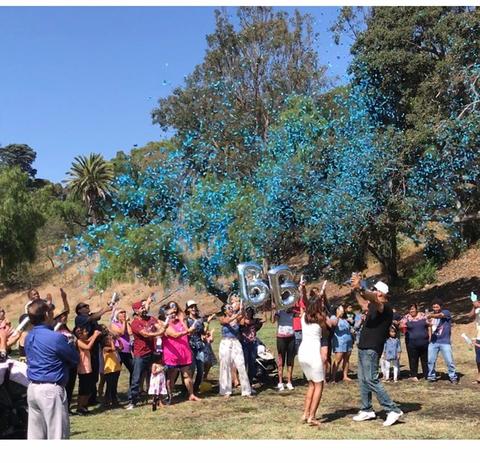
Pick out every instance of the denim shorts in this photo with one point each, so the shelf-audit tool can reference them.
(171, 367)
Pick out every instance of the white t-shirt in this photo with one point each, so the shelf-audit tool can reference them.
(477, 322)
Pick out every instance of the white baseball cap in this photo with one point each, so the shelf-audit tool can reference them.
(191, 302)
(381, 286)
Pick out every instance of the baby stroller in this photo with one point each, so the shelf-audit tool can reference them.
(13, 400)
(266, 364)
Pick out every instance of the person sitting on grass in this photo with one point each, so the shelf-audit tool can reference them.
(391, 355)
(85, 372)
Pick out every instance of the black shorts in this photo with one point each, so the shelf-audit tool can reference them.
(477, 352)
(85, 383)
(286, 350)
(324, 342)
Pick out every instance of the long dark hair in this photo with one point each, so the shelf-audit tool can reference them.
(314, 311)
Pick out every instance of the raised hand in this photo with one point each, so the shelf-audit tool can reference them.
(356, 281)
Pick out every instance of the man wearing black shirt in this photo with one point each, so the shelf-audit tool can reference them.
(370, 347)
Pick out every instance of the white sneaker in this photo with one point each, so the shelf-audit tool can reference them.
(392, 417)
(364, 416)
(280, 387)
(130, 407)
(290, 386)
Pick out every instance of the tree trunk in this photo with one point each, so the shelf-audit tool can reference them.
(386, 252)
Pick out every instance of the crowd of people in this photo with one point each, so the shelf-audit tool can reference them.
(174, 346)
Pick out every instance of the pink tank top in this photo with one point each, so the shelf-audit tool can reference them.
(176, 351)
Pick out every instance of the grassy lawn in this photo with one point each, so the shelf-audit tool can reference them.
(432, 411)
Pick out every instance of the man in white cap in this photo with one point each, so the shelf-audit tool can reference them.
(370, 347)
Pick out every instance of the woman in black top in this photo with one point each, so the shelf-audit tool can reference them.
(415, 326)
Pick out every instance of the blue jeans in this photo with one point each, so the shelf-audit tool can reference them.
(368, 361)
(250, 355)
(198, 365)
(446, 349)
(140, 364)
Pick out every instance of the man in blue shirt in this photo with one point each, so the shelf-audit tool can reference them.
(49, 357)
(441, 326)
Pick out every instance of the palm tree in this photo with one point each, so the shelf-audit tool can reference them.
(91, 181)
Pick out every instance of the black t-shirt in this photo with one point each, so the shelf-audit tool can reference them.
(375, 329)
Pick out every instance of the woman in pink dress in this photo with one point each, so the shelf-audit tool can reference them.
(177, 354)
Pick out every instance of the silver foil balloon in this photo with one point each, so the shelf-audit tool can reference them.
(285, 292)
(253, 289)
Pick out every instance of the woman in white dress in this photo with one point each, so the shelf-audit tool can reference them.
(310, 358)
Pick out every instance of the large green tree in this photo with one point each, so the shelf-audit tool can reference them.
(20, 155)
(19, 222)
(224, 111)
(412, 56)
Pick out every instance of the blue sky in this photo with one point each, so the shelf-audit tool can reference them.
(81, 80)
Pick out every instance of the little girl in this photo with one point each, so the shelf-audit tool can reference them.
(111, 370)
(84, 369)
(158, 384)
(391, 355)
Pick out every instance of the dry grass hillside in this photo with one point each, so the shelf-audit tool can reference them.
(453, 286)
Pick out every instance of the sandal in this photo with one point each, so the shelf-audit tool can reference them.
(304, 419)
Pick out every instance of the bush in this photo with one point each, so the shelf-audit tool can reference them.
(423, 274)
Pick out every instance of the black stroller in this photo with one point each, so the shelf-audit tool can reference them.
(13, 404)
(266, 364)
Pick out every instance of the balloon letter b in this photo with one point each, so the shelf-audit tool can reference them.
(252, 289)
(284, 291)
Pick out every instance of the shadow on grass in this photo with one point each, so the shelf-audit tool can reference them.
(338, 414)
(406, 407)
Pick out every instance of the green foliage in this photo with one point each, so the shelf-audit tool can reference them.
(18, 155)
(143, 156)
(423, 274)
(232, 98)
(19, 223)
(64, 215)
(90, 180)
